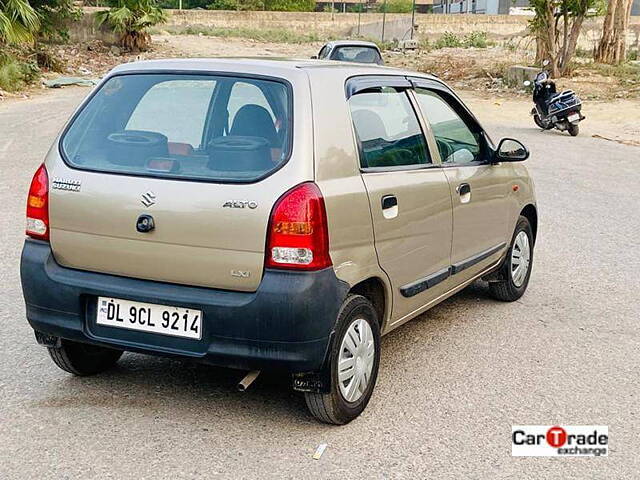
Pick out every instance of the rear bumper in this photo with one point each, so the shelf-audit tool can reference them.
(286, 324)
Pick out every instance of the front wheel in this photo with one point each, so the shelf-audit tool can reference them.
(574, 129)
(536, 118)
(513, 275)
(353, 363)
(83, 359)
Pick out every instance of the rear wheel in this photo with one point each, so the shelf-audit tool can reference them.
(512, 278)
(83, 359)
(353, 364)
(574, 129)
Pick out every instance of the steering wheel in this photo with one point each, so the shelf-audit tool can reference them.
(445, 149)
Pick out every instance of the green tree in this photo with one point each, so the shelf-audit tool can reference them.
(556, 27)
(132, 19)
(396, 6)
(290, 5)
(54, 17)
(19, 22)
(236, 5)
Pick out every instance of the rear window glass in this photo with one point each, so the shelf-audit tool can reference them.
(202, 127)
(356, 54)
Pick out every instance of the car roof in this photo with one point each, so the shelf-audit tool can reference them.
(267, 66)
(354, 43)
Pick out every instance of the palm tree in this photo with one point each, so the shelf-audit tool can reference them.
(19, 22)
(132, 18)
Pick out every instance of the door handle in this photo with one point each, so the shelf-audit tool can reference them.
(389, 206)
(463, 189)
(389, 201)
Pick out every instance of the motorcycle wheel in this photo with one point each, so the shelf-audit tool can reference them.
(536, 118)
(574, 130)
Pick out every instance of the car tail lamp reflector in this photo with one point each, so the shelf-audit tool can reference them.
(38, 205)
(297, 236)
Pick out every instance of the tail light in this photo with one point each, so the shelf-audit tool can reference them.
(38, 205)
(297, 237)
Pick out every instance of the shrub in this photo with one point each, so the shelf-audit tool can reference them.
(15, 75)
(448, 40)
(475, 40)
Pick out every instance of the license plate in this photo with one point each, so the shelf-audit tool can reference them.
(573, 117)
(150, 317)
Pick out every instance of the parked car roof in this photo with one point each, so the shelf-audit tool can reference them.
(355, 43)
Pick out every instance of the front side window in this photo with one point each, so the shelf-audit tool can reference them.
(387, 129)
(457, 143)
(201, 127)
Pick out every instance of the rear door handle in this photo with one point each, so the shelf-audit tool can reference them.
(463, 189)
(389, 201)
(389, 206)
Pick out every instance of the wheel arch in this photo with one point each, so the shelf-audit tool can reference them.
(530, 213)
(375, 290)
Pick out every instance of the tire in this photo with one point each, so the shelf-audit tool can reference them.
(574, 130)
(536, 118)
(333, 407)
(82, 359)
(507, 285)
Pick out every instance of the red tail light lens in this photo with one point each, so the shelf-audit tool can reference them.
(298, 237)
(38, 205)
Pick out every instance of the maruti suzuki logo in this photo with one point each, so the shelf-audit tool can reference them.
(148, 198)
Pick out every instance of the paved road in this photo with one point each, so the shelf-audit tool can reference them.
(452, 382)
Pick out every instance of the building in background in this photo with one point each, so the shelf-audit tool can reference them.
(422, 6)
(495, 7)
(486, 7)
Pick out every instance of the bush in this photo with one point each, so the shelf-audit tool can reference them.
(475, 40)
(448, 40)
(15, 75)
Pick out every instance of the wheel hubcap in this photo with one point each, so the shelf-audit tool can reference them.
(355, 362)
(520, 259)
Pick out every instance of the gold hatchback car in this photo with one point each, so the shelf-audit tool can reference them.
(268, 214)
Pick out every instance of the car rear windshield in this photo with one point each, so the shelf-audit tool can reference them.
(194, 127)
(357, 54)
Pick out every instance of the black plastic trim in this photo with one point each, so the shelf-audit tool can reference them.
(471, 261)
(362, 83)
(425, 283)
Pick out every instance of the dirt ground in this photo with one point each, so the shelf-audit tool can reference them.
(471, 72)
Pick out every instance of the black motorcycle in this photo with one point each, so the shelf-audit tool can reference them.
(552, 109)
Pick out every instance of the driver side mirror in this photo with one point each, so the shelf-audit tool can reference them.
(511, 150)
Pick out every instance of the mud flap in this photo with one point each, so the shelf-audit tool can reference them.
(47, 340)
(315, 382)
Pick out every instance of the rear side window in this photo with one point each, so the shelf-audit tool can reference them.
(200, 127)
(387, 129)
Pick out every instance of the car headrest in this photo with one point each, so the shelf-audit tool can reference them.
(255, 121)
(369, 125)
